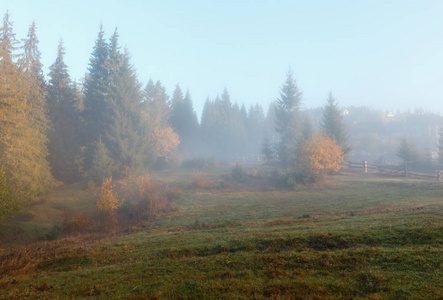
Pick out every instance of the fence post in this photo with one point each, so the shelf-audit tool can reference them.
(365, 165)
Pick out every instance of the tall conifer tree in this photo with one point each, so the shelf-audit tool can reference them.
(184, 119)
(14, 126)
(286, 119)
(332, 124)
(127, 136)
(35, 162)
(63, 104)
(96, 89)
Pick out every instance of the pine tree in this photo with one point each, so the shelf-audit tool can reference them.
(12, 109)
(332, 124)
(127, 136)
(267, 151)
(14, 126)
(407, 152)
(184, 120)
(286, 119)
(96, 88)
(176, 115)
(63, 103)
(35, 163)
(11, 104)
(255, 128)
(190, 116)
(156, 104)
(103, 166)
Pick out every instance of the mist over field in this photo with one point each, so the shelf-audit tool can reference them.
(230, 150)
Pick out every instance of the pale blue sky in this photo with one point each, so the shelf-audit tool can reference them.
(383, 54)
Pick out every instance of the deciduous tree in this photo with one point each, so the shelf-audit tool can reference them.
(319, 156)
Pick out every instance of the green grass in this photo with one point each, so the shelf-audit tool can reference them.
(351, 237)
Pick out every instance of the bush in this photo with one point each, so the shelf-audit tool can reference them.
(238, 173)
(199, 163)
(53, 233)
(147, 198)
(319, 156)
(78, 223)
(200, 180)
(107, 202)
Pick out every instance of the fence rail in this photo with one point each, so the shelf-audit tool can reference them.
(400, 170)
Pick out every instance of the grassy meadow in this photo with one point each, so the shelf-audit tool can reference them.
(354, 236)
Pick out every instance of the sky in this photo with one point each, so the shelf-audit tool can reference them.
(382, 54)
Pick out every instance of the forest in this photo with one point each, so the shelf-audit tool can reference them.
(112, 188)
(55, 129)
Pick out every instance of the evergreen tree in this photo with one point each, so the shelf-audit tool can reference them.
(184, 120)
(269, 124)
(254, 125)
(63, 103)
(127, 136)
(286, 119)
(332, 124)
(96, 88)
(156, 104)
(12, 105)
(407, 152)
(35, 163)
(267, 151)
(103, 166)
(176, 115)
(15, 129)
(307, 130)
(191, 116)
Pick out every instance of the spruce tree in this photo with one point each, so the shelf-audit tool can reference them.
(96, 88)
(190, 116)
(267, 150)
(407, 152)
(63, 103)
(156, 104)
(286, 119)
(255, 128)
(127, 136)
(35, 159)
(184, 120)
(103, 166)
(14, 126)
(332, 124)
(11, 98)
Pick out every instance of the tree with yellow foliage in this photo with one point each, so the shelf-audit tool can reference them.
(320, 155)
(107, 201)
(165, 140)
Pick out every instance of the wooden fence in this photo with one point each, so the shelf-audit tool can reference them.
(400, 170)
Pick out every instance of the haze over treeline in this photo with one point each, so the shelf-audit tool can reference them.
(110, 124)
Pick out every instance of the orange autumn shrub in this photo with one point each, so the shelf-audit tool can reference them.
(319, 156)
(107, 201)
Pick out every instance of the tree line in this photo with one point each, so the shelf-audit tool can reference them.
(56, 129)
